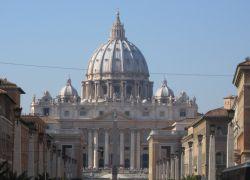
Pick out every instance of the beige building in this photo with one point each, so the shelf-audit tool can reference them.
(7, 106)
(44, 153)
(196, 144)
(241, 122)
(9, 113)
(191, 146)
(165, 151)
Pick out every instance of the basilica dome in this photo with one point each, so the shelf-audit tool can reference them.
(68, 90)
(118, 58)
(164, 91)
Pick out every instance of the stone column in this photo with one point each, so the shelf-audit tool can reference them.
(211, 159)
(95, 96)
(164, 168)
(83, 91)
(190, 158)
(98, 90)
(108, 89)
(135, 89)
(90, 149)
(122, 90)
(177, 174)
(96, 158)
(145, 83)
(230, 145)
(111, 90)
(90, 89)
(31, 155)
(106, 149)
(199, 157)
(48, 161)
(125, 89)
(138, 149)
(160, 169)
(132, 150)
(54, 163)
(172, 167)
(86, 95)
(58, 175)
(157, 170)
(182, 162)
(121, 149)
(168, 170)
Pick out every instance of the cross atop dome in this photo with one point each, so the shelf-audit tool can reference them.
(117, 31)
(117, 17)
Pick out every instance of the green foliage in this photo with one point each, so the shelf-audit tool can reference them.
(193, 177)
(7, 174)
(4, 169)
(42, 176)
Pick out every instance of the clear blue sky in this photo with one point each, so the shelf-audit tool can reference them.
(175, 36)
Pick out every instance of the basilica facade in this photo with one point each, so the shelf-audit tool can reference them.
(117, 81)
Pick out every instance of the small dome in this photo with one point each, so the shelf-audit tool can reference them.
(117, 58)
(68, 90)
(164, 91)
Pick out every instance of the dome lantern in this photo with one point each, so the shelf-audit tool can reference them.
(117, 31)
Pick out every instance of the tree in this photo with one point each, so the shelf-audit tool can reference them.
(7, 174)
